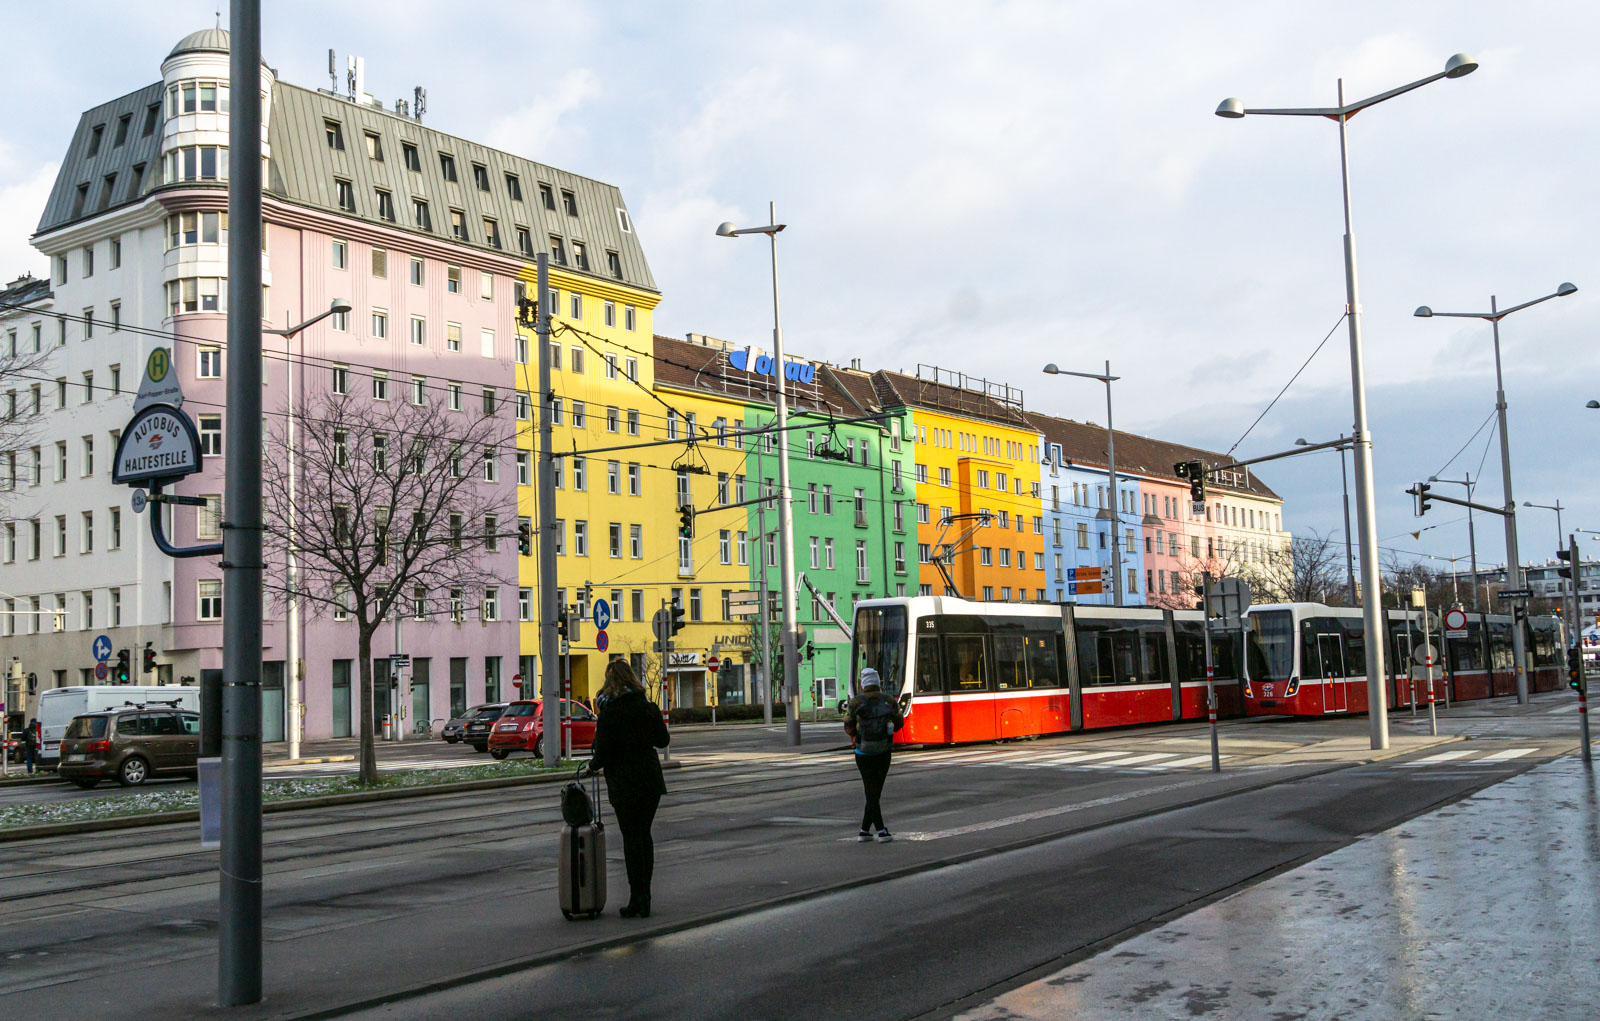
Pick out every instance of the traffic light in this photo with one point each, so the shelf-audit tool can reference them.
(525, 538)
(528, 312)
(149, 657)
(1420, 497)
(561, 624)
(120, 672)
(1564, 555)
(676, 620)
(686, 522)
(1196, 474)
(811, 651)
(1574, 667)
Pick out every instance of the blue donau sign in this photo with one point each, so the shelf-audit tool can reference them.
(763, 365)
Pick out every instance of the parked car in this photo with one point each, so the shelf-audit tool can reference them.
(477, 730)
(59, 706)
(521, 728)
(129, 745)
(456, 728)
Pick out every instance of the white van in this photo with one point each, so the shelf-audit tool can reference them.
(57, 707)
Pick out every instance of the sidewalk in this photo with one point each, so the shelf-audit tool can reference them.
(1482, 909)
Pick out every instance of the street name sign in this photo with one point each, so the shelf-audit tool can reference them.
(159, 443)
(1514, 593)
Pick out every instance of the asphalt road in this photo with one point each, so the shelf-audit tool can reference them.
(1011, 860)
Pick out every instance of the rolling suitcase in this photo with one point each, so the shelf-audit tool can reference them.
(582, 869)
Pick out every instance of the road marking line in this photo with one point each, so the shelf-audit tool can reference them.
(1441, 757)
(1192, 761)
(1151, 757)
(1509, 753)
(1046, 813)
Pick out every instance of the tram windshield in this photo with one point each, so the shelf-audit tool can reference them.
(1272, 632)
(880, 643)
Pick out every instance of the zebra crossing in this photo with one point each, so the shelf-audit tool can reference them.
(1132, 761)
(1468, 757)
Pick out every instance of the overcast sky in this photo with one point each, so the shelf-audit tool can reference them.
(990, 186)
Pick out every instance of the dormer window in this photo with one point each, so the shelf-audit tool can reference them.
(408, 155)
(580, 254)
(419, 209)
(570, 202)
(524, 242)
(514, 187)
(122, 130)
(374, 146)
(458, 224)
(548, 197)
(447, 166)
(334, 132)
(491, 233)
(558, 251)
(614, 264)
(94, 138)
(480, 176)
(152, 114)
(623, 221)
(344, 194)
(385, 205)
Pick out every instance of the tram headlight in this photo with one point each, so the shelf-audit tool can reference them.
(1294, 686)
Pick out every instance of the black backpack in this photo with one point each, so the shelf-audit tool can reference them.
(576, 808)
(875, 725)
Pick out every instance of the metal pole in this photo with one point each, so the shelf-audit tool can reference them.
(791, 667)
(549, 681)
(397, 705)
(1411, 680)
(1472, 545)
(1577, 635)
(1349, 556)
(1519, 645)
(1116, 520)
(1427, 633)
(292, 565)
(1211, 680)
(1366, 509)
(239, 871)
(764, 634)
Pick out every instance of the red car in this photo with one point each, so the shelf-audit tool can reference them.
(521, 728)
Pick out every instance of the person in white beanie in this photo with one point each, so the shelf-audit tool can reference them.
(871, 720)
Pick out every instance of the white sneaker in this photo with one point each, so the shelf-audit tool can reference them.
(884, 836)
(864, 837)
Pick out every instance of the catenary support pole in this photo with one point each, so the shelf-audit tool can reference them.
(292, 566)
(1349, 555)
(791, 665)
(1366, 506)
(1116, 517)
(763, 634)
(239, 886)
(1472, 543)
(1519, 645)
(1576, 609)
(549, 646)
(1211, 679)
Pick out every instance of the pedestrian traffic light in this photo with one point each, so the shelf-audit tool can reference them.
(561, 623)
(676, 619)
(1420, 498)
(525, 538)
(149, 657)
(121, 671)
(1564, 555)
(686, 522)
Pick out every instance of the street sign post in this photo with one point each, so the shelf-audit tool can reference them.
(602, 614)
(1455, 623)
(102, 648)
(602, 641)
(714, 663)
(100, 671)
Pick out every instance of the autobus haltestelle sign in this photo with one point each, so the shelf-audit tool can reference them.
(160, 443)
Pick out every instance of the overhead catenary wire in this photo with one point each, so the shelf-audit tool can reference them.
(1287, 385)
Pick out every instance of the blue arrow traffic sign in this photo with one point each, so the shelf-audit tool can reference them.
(102, 648)
(602, 614)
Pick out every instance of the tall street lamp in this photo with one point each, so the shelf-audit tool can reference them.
(291, 561)
(1561, 536)
(1344, 485)
(1513, 561)
(1111, 473)
(1366, 511)
(1472, 533)
(791, 665)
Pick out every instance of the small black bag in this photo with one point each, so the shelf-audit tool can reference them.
(576, 808)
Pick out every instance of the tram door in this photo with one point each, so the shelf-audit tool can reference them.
(1335, 689)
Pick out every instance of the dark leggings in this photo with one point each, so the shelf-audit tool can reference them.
(634, 816)
(874, 770)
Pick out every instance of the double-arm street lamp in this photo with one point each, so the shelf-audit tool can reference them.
(791, 664)
(1472, 532)
(291, 561)
(1371, 579)
(1111, 473)
(1513, 562)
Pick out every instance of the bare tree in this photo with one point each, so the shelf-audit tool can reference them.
(23, 372)
(1400, 579)
(395, 503)
(653, 674)
(1306, 571)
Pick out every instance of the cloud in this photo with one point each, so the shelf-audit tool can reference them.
(548, 129)
(24, 190)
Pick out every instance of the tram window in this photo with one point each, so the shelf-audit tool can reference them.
(1191, 653)
(1125, 657)
(1500, 646)
(1225, 654)
(1094, 657)
(1310, 651)
(928, 680)
(1466, 654)
(1042, 671)
(1010, 665)
(880, 643)
(964, 654)
(1155, 657)
(1355, 647)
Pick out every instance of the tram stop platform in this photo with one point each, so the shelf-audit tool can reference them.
(1485, 908)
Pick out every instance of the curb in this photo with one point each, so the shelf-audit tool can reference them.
(123, 822)
(305, 762)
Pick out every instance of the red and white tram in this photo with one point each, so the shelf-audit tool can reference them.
(991, 671)
(1311, 660)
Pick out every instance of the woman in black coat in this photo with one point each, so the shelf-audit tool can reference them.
(626, 737)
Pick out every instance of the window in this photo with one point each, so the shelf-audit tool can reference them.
(208, 518)
(211, 435)
(633, 418)
(628, 316)
(116, 253)
(486, 343)
(491, 233)
(614, 264)
(452, 279)
(152, 114)
(374, 146)
(420, 213)
(636, 542)
(209, 606)
(447, 166)
(547, 197)
(633, 479)
(524, 468)
(334, 132)
(341, 378)
(524, 241)
(344, 194)
(385, 204)
(486, 286)
(514, 187)
(613, 419)
(380, 384)
(580, 538)
(480, 176)
(458, 225)
(452, 336)
(580, 255)
(488, 400)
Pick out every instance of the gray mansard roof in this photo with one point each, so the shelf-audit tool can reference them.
(304, 168)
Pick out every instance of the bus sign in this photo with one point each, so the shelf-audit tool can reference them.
(159, 443)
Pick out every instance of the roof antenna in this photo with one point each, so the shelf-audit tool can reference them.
(421, 104)
(333, 72)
